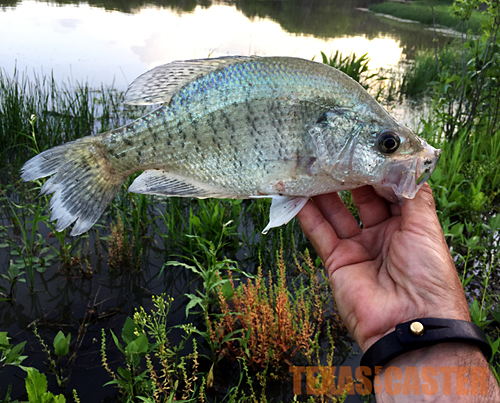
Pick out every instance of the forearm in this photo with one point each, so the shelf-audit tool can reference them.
(447, 372)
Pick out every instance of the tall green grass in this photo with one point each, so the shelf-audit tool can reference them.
(55, 112)
(419, 76)
(354, 67)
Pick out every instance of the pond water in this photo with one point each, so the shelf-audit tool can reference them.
(114, 42)
(111, 43)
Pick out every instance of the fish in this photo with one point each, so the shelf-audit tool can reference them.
(238, 127)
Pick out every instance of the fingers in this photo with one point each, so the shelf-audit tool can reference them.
(318, 230)
(420, 212)
(419, 216)
(395, 209)
(372, 208)
(337, 214)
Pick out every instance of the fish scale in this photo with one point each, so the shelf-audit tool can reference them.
(237, 127)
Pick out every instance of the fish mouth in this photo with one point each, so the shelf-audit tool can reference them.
(405, 177)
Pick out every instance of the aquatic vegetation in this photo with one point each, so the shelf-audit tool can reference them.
(54, 112)
(418, 77)
(10, 354)
(158, 370)
(151, 384)
(264, 323)
(354, 67)
(36, 387)
(60, 346)
(119, 249)
(31, 252)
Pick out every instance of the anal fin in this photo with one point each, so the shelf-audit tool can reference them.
(163, 183)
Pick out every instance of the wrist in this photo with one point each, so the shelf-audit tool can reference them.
(366, 343)
(424, 332)
(430, 356)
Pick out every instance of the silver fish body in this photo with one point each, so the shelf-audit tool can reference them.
(238, 127)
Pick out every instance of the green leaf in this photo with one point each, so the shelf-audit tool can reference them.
(142, 344)
(457, 230)
(4, 340)
(494, 347)
(467, 280)
(227, 290)
(57, 398)
(120, 347)
(472, 242)
(36, 385)
(187, 266)
(195, 221)
(144, 399)
(61, 344)
(18, 348)
(136, 349)
(49, 257)
(494, 222)
(44, 250)
(230, 337)
(124, 373)
(14, 356)
(13, 270)
(128, 331)
(195, 300)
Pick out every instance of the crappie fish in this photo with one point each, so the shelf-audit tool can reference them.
(238, 127)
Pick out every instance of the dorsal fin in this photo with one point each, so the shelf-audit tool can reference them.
(160, 84)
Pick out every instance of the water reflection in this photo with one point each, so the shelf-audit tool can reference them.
(106, 42)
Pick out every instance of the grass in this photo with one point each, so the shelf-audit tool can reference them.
(428, 12)
(261, 327)
(54, 113)
(426, 69)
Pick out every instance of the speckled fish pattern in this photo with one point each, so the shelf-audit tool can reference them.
(236, 127)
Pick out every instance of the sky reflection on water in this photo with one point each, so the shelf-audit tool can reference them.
(85, 43)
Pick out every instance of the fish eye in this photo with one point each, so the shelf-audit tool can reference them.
(388, 142)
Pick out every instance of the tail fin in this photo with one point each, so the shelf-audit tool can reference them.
(83, 185)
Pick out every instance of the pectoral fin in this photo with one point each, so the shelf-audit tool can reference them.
(164, 183)
(283, 209)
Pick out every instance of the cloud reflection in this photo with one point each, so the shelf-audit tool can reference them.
(102, 46)
(222, 30)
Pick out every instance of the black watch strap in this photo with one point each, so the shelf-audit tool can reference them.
(420, 333)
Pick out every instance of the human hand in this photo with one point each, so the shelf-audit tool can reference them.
(397, 268)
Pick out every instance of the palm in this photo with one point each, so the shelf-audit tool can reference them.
(395, 269)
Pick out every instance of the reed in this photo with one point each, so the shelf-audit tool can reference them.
(419, 76)
(56, 112)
